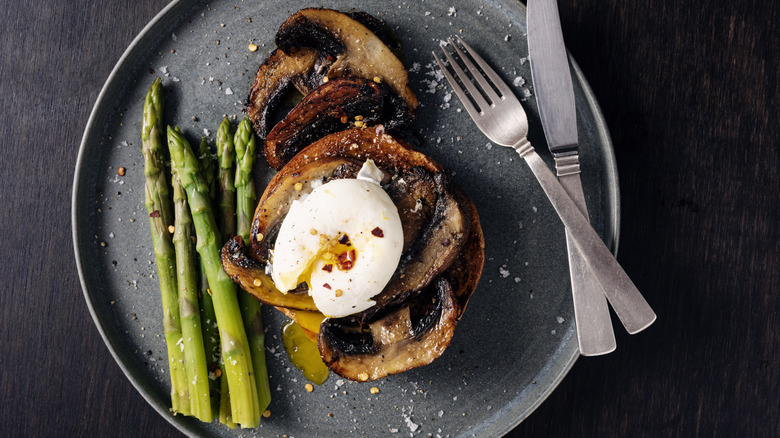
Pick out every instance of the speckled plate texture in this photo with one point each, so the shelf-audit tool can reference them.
(516, 340)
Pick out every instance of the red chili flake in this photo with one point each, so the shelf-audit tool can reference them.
(378, 232)
(338, 113)
(154, 214)
(326, 286)
(344, 239)
(328, 267)
(346, 259)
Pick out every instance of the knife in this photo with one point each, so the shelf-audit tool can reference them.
(555, 98)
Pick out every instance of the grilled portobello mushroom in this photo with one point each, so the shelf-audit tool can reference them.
(343, 69)
(440, 266)
(356, 96)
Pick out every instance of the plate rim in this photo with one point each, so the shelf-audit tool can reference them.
(186, 424)
(181, 423)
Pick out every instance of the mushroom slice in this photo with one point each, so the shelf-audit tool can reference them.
(358, 51)
(327, 109)
(378, 28)
(251, 276)
(275, 76)
(411, 336)
(388, 152)
(414, 193)
(466, 270)
(436, 248)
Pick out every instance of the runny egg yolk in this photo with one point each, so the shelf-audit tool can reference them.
(344, 240)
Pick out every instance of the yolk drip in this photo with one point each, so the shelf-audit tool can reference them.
(304, 354)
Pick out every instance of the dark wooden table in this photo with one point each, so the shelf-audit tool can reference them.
(690, 93)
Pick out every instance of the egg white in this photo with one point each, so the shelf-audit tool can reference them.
(353, 207)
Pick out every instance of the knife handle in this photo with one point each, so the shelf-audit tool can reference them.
(595, 335)
(629, 304)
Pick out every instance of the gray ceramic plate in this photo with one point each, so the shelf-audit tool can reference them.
(516, 340)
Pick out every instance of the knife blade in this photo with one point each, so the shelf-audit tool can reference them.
(555, 98)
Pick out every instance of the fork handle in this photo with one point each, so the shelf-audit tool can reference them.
(629, 304)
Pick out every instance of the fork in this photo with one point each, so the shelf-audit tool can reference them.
(500, 116)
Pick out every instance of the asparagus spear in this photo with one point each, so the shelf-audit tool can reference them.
(245, 145)
(194, 351)
(226, 193)
(235, 348)
(208, 168)
(158, 204)
(225, 412)
(226, 196)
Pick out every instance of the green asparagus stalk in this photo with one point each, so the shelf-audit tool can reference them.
(158, 205)
(226, 197)
(225, 412)
(208, 168)
(210, 337)
(226, 193)
(245, 145)
(235, 348)
(189, 308)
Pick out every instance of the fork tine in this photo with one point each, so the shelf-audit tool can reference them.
(464, 100)
(486, 88)
(497, 81)
(464, 78)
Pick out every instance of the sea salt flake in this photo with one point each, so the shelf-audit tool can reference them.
(559, 319)
(228, 91)
(411, 424)
(174, 37)
(518, 81)
(451, 12)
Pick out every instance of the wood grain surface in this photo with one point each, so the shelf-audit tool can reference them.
(690, 94)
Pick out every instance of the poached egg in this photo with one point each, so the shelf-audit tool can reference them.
(344, 240)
